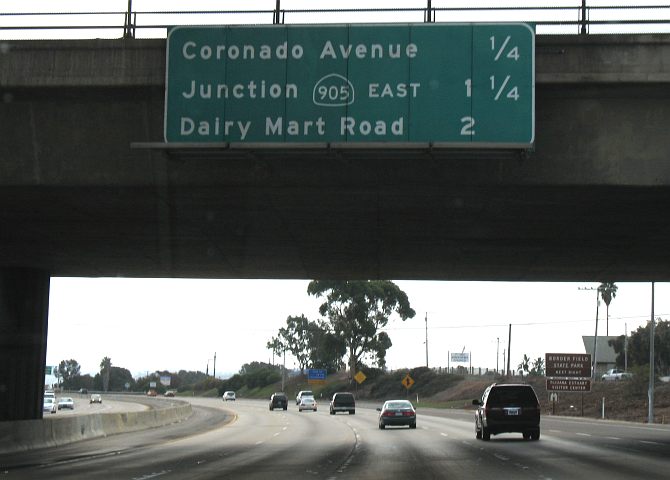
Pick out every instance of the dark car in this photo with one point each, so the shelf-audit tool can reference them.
(508, 408)
(278, 400)
(343, 402)
(397, 413)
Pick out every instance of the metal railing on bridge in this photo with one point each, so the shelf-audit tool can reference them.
(555, 17)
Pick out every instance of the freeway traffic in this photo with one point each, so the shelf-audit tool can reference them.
(246, 440)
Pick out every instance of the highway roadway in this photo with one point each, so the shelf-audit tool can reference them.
(83, 406)
(245, 440)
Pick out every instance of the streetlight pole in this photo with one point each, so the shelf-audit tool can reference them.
(426, 339)
(595, 337)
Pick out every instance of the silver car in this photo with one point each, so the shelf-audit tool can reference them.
(49, 405)
(307, 403)
(65, 402)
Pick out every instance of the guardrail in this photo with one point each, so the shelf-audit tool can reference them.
(579, 18)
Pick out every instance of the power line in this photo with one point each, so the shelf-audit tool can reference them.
(489, 325)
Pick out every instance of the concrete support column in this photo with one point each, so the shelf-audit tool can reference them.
(24, 310)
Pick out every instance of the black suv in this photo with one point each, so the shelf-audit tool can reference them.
(343, 402)
(507, 408)
(278, 400)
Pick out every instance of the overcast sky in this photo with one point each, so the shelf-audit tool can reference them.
(171, 324)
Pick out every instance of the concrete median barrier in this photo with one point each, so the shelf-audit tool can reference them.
(32, 434)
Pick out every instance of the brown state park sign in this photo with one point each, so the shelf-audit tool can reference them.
(568, 365)
(568, 372)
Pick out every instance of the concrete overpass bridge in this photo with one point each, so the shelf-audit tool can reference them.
(88, 189)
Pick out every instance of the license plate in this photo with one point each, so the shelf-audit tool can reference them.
(398, 414)
(512, 411)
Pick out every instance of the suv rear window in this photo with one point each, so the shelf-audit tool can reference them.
(522, 396)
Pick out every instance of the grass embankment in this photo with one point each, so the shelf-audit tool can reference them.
(624, 400)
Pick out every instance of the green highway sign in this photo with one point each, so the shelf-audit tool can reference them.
(453, 84)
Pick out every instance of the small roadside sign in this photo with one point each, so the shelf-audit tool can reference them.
(360, 377)
(408, 381)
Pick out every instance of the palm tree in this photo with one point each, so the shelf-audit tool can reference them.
(105, 370)
(524, 365)
(607, 293)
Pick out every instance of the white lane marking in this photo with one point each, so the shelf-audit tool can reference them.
(583, 434)
(521, 466)
(151, 475)
(284, 428)
(276, 434)
(501, 457)
(556, 431)
(259, 442)
(650, 443)
(612, 438)
(444, 434)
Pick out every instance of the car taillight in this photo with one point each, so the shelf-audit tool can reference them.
(408, 414)
(388, 413)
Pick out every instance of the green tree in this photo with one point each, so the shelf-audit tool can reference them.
(537, 368)
(259, 374)
(118, 377)
(277, 347)
(357, 310)
(68, 370)
(326, 349)
(638, 347)
(295, 338)
(607, 293)
(105, 371)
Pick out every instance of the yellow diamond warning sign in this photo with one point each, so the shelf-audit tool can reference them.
(407, 381)
(360, 377)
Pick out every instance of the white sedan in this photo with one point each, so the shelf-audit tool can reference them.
(307, 403)
(65, 402)
(49, 405)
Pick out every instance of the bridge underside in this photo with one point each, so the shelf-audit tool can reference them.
(590, 202)
(414, 227)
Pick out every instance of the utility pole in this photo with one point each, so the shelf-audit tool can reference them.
(497, 354)
(509, 348)
(650, 418)
(595, 340)
(214, 364)
(426, 339)
(625, 348)
(283, 371)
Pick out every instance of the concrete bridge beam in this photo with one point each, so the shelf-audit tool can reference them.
(24, 309)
